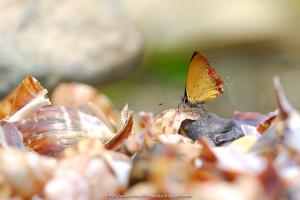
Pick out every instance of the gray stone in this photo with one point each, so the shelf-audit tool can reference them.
(89, 41)
(217, 129)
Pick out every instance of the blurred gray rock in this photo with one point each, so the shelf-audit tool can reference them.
(89, 41)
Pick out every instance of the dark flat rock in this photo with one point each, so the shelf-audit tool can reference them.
(217, 129)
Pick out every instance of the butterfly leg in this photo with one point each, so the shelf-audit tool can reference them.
(178, 107)
(203, 109)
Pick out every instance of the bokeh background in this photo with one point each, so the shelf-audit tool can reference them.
(138, 51)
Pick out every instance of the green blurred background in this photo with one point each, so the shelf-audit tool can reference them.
(247, 41)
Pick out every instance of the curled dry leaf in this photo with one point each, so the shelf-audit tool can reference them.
(290, 132)
(284, 131)
(263, 126)
(25, 173)
(145, 129)
(170, 121)
(126, 130)
(78, 94)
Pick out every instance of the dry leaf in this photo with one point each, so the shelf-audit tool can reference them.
(116, 141)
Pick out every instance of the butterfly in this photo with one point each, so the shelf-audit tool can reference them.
(203, 84)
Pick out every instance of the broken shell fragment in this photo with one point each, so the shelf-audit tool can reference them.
(28, 97)
(169, 121)
(27, 90)
(53, 128)
(78, 94)
(10, 136)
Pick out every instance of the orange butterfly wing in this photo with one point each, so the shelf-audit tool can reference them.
(203, 84)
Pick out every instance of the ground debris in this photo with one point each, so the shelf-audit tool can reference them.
(83, 152)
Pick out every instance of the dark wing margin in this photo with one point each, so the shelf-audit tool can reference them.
(185, 97)
(194, 54)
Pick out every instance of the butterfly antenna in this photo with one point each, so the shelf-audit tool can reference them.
(170, 100)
